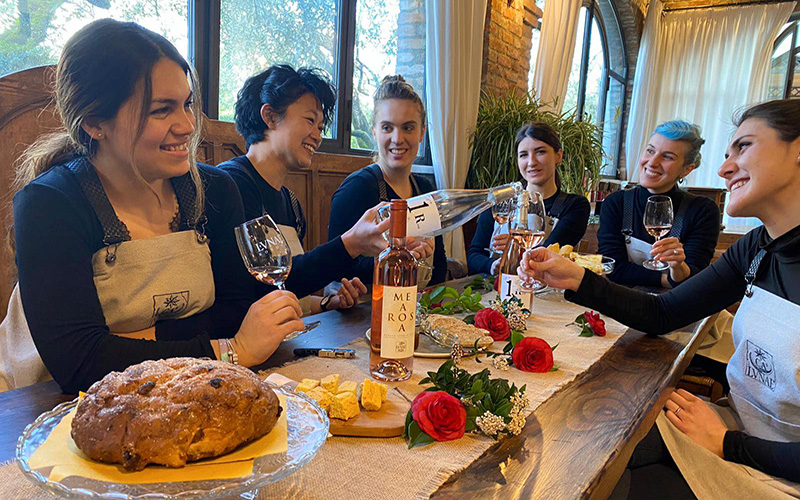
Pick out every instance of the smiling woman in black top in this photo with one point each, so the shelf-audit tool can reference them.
(539, 153)
(672, 152)
(762, 269)
(398, 124)
(281, 113)
(124, 245)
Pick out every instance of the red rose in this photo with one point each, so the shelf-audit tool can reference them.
(439, 415)
(495, 322)
(597, 325)
(533, 354)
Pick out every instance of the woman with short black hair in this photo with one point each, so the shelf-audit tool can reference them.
(281, 112)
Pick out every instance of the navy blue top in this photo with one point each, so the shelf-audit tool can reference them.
(711, 290)
(57, 232)
(312, 270)
(572, 221)
(357, 194)
(699, 235)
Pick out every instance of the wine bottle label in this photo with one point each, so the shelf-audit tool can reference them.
(423, 217)
(398, 321)
(510, 286)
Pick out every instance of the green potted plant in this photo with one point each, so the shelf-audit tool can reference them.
(494, 160)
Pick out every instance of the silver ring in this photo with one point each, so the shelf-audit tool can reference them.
(674, 252)
(678, 409)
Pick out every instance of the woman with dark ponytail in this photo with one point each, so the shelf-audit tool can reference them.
(539, 153)
(124, 244)
(281, 113)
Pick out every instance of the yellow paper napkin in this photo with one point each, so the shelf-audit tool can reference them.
(60, 453)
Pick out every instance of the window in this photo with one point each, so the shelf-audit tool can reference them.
(596, 89)
(33, 32)
(356, 42)
(784, 75)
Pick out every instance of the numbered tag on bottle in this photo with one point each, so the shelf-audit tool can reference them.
(510, 286)
(398, 321)
(423, 217)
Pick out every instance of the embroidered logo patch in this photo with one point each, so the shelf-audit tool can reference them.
(170, 305)
(759, 365)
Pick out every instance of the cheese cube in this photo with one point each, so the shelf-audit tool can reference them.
(384, 389)
(372, 395)
(348, 386)
(344, 406)
(310, 381)
(331, 382)
(306, 385)
(321, 396)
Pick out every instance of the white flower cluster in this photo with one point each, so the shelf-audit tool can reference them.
(513, 311)
(501, 362)
(492, 425)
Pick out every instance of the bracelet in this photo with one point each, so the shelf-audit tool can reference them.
(228, 355)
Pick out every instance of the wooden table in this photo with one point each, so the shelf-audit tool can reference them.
(575, 445)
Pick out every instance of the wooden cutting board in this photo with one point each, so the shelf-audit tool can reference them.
(387, 422)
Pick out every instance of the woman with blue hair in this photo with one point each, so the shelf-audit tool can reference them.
(672, 152)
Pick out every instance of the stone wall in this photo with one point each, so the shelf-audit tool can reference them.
(411, 43)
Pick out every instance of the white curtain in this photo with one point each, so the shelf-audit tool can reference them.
(556, 48)
(454, 52)
(701, 66)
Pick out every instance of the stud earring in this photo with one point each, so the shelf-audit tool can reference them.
(99, 135)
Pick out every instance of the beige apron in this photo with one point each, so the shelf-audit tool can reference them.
(149, 280)
(763, 401)
(290, 234)
(154, 279)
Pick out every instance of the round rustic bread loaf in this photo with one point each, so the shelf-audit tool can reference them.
(173, 411)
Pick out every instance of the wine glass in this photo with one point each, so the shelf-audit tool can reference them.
(530, 231)
(657, 221)
(502, 213)
(267, 256)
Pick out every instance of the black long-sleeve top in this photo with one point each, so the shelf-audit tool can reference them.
(357, 194)
(713, 289)
(310, 271)
(571, 227)
(57, 232)
(699, 235)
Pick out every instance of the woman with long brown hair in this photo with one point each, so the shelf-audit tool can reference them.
(124, 245)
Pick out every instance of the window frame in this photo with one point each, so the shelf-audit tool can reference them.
(204, 18)
(593, 11)
(794, 52)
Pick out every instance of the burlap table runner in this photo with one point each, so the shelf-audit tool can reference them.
(355, 468)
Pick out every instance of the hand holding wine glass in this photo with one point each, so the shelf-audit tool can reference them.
(657, 221)
(529, 229)
(267, 256)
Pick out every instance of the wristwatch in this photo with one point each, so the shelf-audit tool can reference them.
(323, 304)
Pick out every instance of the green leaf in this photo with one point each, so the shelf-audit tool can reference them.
(516, 336)
(477, 386)
(586, 332)
(504, 409)
(554, 368)
(417, 437)
(409, 419)
(470, 320)
(451, 292)
(437, 294)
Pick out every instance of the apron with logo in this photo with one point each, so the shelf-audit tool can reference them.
(764, 401)
(425, 271)
(638, 250)
(138, 282)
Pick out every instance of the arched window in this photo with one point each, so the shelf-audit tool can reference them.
(784, 74)
(596, 88)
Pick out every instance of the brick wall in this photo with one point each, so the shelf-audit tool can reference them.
(411, 42)
(507, 45)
